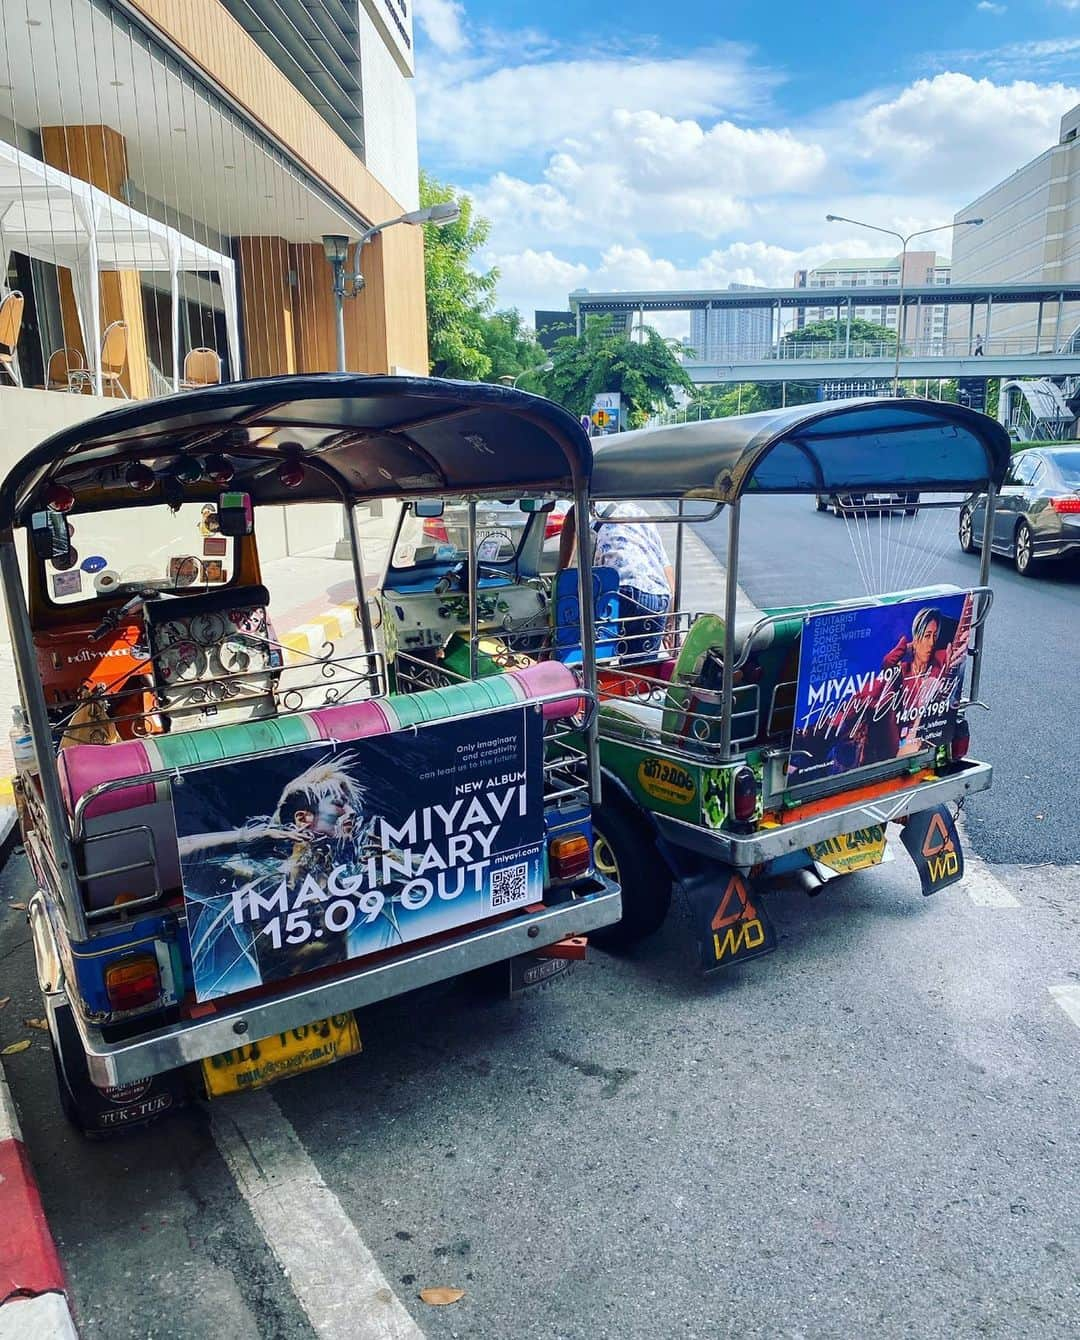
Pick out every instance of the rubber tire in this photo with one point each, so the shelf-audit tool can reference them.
(970, 547)
(642, 873)
(1031, 565)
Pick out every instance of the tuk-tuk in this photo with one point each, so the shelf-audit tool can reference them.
(740, 743)
(238, 844)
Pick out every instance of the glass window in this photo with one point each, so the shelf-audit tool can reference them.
(132, 549)
(500, 529)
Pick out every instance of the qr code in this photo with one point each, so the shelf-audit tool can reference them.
(510, 885)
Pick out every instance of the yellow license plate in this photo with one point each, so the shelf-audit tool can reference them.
(851, 851)
(305, 1048)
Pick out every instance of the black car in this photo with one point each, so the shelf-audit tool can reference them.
(1038, 510)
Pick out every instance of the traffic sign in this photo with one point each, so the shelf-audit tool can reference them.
(601, 418)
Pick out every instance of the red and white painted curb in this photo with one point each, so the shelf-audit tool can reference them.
(33, 1301)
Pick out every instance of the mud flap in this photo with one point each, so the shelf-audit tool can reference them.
(934, 845)
(729, 922)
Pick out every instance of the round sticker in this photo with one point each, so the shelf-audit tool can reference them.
(106, 581)
(93, 564)
(66, 561)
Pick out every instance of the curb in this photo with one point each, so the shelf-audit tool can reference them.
(33, 1301)
(309, 639)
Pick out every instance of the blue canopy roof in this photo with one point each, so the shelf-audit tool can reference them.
(903, 444)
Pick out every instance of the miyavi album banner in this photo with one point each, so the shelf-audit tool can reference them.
(324, 854)
(878, 683)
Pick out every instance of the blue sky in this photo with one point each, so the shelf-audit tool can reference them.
(640, 146)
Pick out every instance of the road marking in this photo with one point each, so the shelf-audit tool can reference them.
(334, 1276)
(1068, 997)
(983, 888)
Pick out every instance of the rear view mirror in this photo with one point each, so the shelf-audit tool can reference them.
(537, 504)
(49, 535)
(235, 515)
(428, 507)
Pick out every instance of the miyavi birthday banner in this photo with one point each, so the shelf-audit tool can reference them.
(321, 855)
(877, 684)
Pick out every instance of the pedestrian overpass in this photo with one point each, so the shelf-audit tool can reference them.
(1047, 314)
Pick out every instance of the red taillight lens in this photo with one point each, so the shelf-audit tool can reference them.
(435, 529)
(554, 524)
(745, 790)
(961, 741)
(131, 982)
(1066, 506)
(569, 856)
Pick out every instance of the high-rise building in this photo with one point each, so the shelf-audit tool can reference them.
(718, 334)
(1030, 235)
(167, 174)
(925, 326)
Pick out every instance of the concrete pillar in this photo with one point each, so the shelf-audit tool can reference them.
(98, 155)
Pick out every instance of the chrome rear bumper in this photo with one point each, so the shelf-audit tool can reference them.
(194, 1039)
(744, 850)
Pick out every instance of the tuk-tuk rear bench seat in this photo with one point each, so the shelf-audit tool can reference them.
(146, 805)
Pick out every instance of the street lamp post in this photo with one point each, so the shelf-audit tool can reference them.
(336, 250)
(508, 380)
(889, 232)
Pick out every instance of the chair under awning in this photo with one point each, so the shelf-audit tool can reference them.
(52, 216)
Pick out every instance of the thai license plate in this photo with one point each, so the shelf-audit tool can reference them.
(851, 851)
(256, 1064)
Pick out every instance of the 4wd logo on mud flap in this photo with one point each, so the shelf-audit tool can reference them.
(734, 928)
(934, 845)
(666, 781)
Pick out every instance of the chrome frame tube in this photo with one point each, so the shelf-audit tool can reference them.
(474, 615)
(984, 582)
(730, 605)
(358, 577)
(33, 698)
(676, 595)
(588, 628)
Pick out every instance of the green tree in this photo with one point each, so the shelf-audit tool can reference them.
(458, 296)
(645, 373)
(867, 337)
(512, 349)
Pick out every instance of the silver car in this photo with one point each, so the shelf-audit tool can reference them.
(1038, 511)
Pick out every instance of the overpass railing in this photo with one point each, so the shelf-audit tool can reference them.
(837, 350)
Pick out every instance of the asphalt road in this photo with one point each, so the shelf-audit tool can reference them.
(871, 1131)
(791, 553)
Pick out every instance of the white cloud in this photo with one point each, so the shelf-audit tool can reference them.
(443, 23)
(988, 7)
(960, 133)
(473, 115)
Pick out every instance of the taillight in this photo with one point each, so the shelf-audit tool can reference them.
(554, 524)
(435, 529)
(1066, 506)
(745, 790)
(961, 740)
(569, 856)
(131, 982)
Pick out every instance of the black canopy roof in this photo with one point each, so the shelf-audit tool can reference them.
(360, 437)
(821, 448)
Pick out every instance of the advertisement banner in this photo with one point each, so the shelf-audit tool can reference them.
(878, 684)
(311, 858)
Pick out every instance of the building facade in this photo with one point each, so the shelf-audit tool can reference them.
(167, 173)
(1030, 234)
(718, 335)
(926, 326)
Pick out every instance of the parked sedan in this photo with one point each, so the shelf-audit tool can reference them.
(1038, 510)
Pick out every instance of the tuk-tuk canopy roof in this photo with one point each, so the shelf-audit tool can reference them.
(821, 448)
(359, 436)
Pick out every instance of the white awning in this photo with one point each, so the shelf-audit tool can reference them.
(52, 216)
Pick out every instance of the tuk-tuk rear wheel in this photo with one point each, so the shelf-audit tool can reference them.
(624, 849)
(99, 1114)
